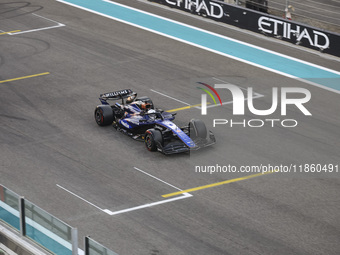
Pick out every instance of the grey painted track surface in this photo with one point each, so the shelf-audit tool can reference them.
(48, 136)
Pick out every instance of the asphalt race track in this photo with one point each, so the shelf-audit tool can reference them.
(94, 178)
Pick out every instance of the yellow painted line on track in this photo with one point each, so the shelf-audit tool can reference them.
(216, 184)
(5, 33)
(185, 107)
(25, 77)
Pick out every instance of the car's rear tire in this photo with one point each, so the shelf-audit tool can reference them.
(197, 128)
(104, 115)
(151, 138)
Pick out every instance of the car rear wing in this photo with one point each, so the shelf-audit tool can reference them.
(116, 95)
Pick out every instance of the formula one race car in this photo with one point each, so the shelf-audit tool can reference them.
(138, 118)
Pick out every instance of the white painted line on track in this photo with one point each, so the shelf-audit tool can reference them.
(242, 31)
(80, 198)
(36, 30)
(212, 33)
(259, 65)
(184, 195)
(256, 95)
(170, 97)
(156, 178)
(228, 102)
(40, 29)
(206, 31)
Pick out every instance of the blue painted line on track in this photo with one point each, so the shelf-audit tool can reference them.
(268, 60)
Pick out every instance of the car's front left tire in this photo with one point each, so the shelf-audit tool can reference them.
(197, 128)
(152, 138)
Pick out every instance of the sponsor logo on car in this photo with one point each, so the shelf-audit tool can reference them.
(117, 93)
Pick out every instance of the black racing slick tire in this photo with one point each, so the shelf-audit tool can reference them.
(197, 128)
(152, 138)
(104, 115)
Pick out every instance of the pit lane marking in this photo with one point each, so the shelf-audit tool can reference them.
(58, 24)
(170, 97)
(210, 105)
(74, 194)
(109, 212)
(10, 32)
(215, 184)
(157, 178)
(184, 195)
(256, 95)
(25, 77)
(186, 107)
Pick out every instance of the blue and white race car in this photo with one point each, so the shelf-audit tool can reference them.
(138, 118)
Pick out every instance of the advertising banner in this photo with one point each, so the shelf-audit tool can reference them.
(261, 22)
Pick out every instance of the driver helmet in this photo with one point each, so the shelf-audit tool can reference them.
(145, 106)
(151, 111)
(131, 98)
